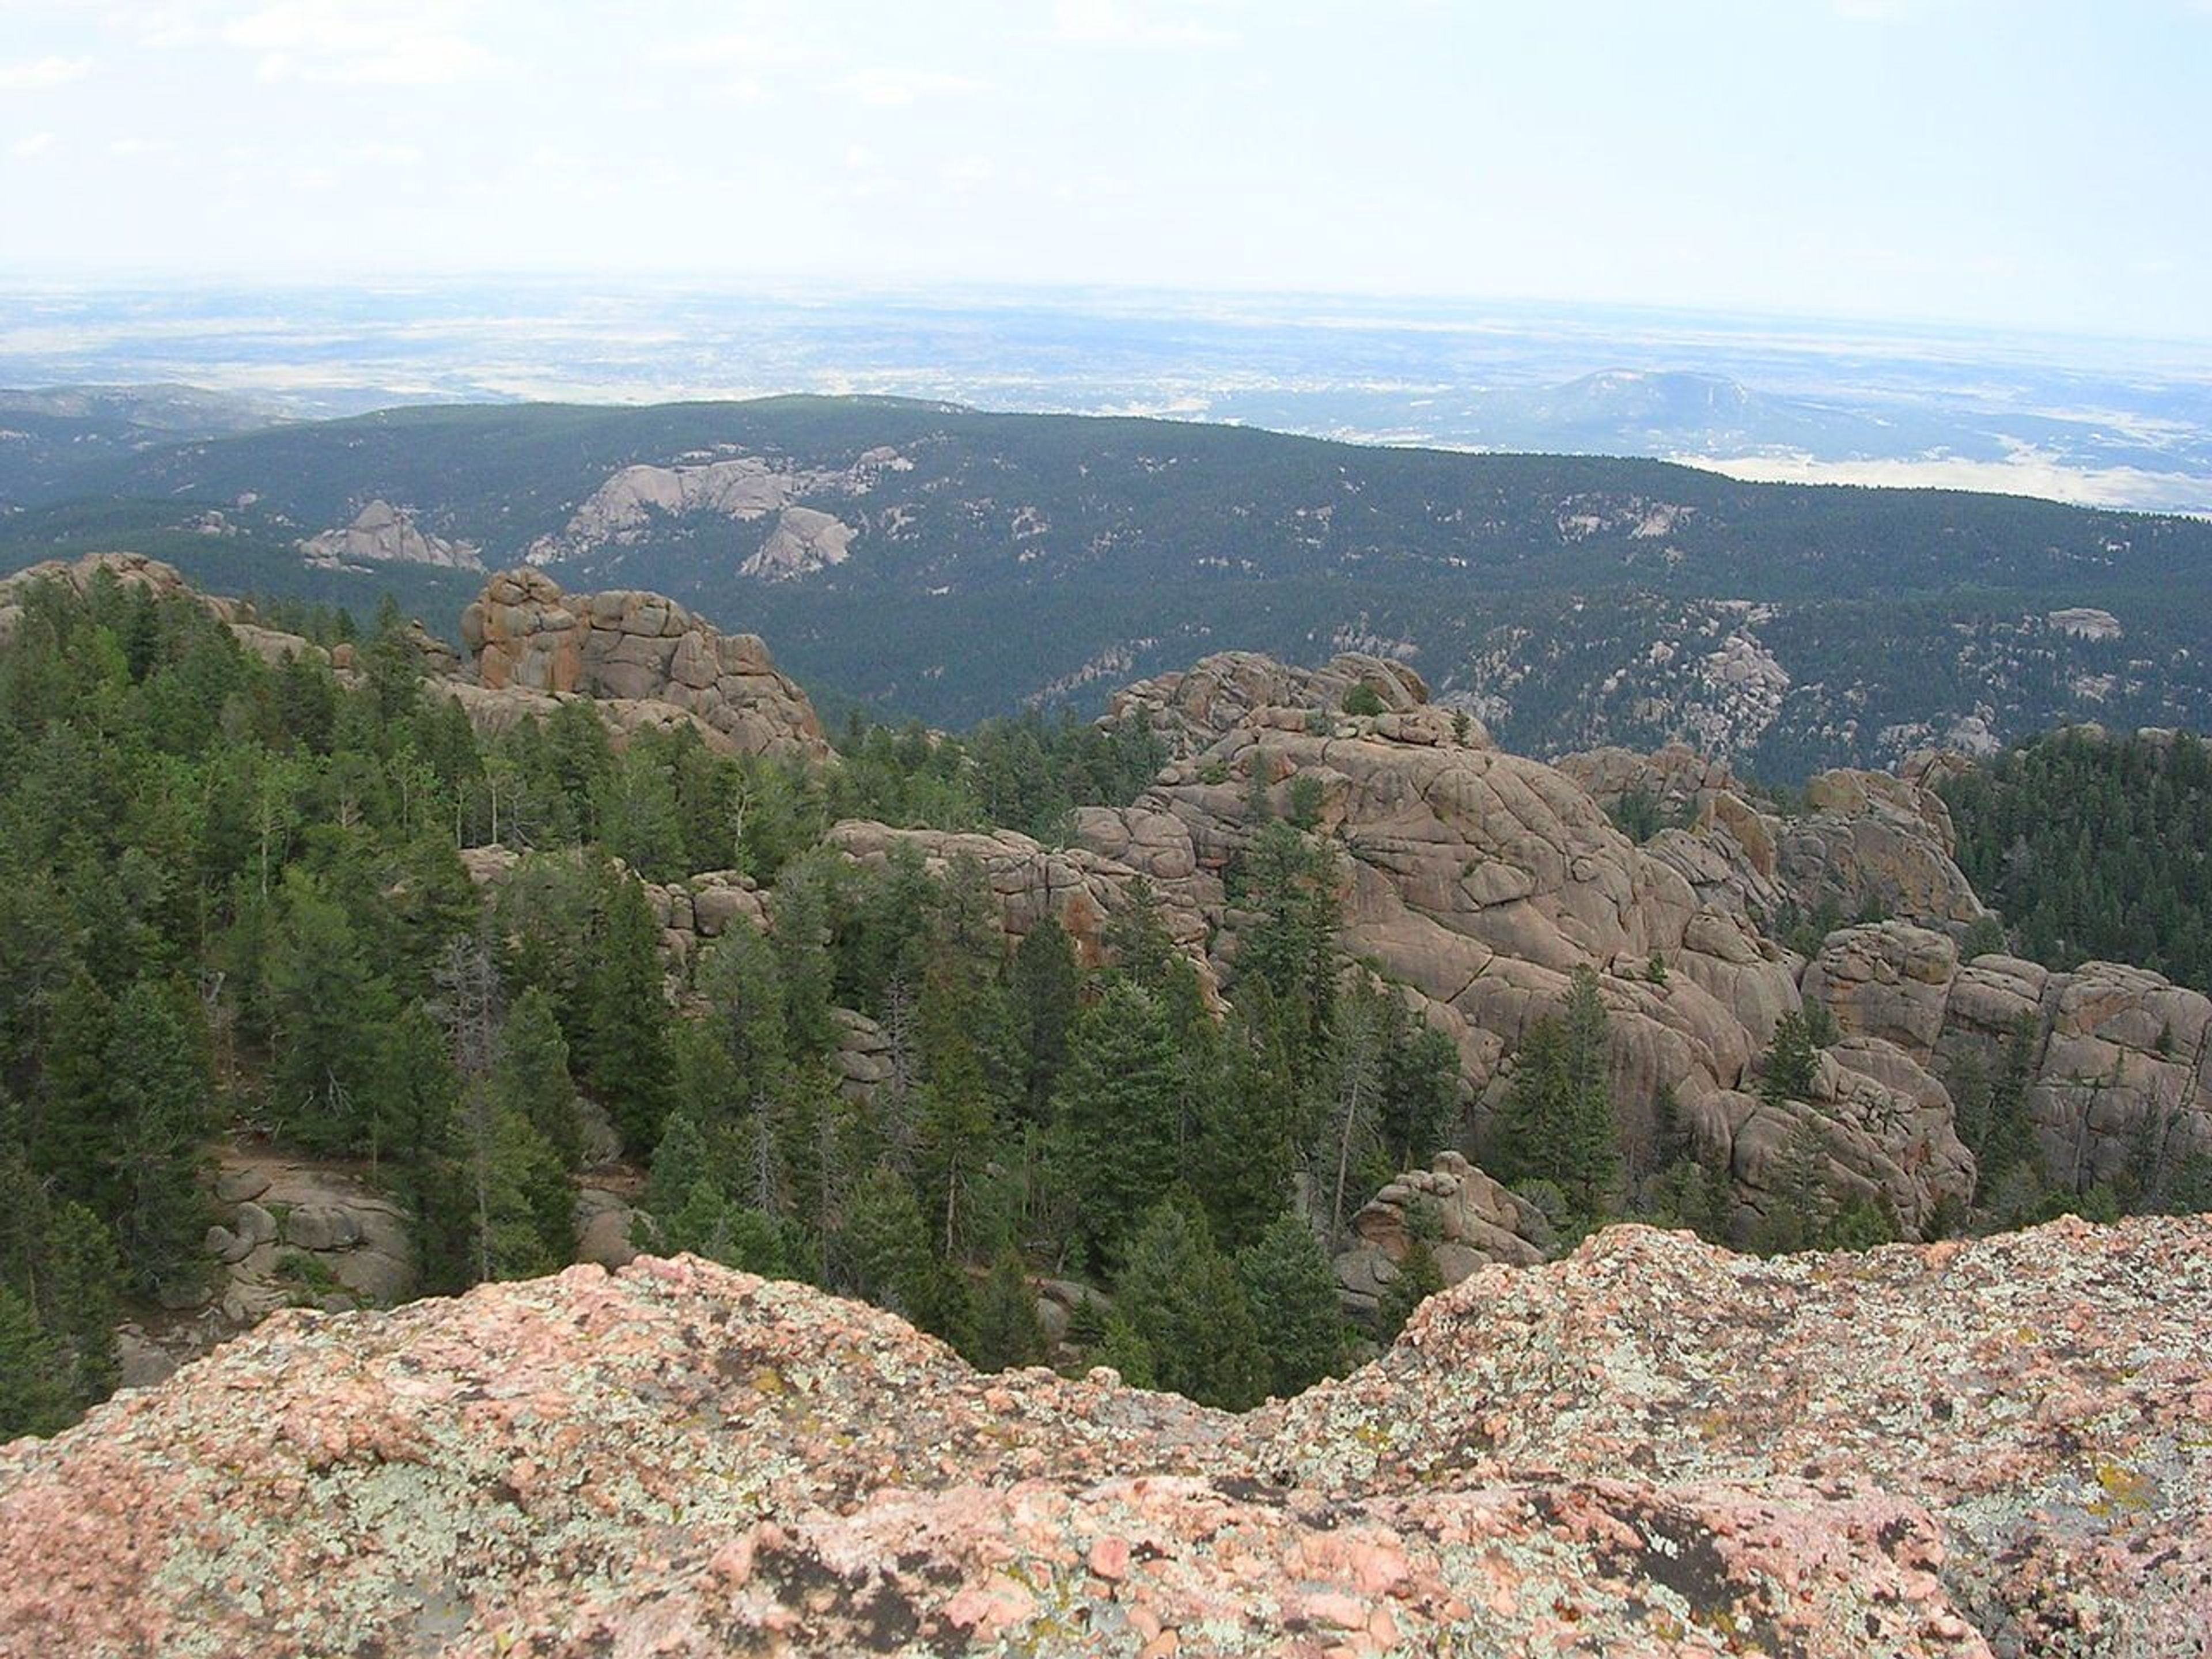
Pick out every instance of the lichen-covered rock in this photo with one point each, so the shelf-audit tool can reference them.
(525, 634)
(2069, 1477)
(1651, 1447)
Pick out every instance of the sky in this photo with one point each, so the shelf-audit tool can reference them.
(2009, 163)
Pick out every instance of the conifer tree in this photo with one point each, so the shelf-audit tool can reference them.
(1291, 1290)
(1007, 1333)
(1417, 1281)
(1044, 986)
(529, 1076)
(1184, 1298)
(33, 1394)
(624, 1050)
(1116, 1111)
(157, 1088)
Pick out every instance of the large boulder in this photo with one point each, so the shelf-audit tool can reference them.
(1887, 979)
(1467, 1220)
(1218, 693)
(1887, 1126)
(1872, 842)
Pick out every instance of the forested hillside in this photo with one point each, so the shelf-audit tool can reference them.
(2096, 845)
(922, 559)
(1165, 1044)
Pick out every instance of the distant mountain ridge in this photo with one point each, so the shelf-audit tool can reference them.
(931, 559)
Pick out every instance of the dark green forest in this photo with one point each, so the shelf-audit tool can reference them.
(1046, 558)
(2095, 847)
(233, 904)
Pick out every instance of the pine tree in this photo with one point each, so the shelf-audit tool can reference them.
(1116, 1111)
(1007, 1333)
(1184, 1298)
(529, 1077)
(1291, 1290)
(81, 1285)
(330, 1012)
(623, 1051)
(1791, 1068)
(1417, 1281)
(1045, 985)
(1800, 1205)
(1557, 1124)
(157, 1086)
(33, 1390)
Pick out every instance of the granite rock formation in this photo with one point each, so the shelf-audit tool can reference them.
(627, 649)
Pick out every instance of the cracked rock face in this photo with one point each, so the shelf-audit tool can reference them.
(643, 657)
(1653, 1447)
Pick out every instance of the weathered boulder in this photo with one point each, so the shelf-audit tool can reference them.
(381, 533)
(1676, 778)
(1887, 1125)
(1219, 693)
(1027, 881)
(1467, 1219)
(626, 647)
(2121, 1085)
(1886, 979)
(1481, 880)
(1874, 842)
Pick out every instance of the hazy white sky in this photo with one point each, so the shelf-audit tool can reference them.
(2011, 163)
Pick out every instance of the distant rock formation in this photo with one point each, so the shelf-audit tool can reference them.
(1652, 1447)
(531, 642)
(381, 533)
(738, 488)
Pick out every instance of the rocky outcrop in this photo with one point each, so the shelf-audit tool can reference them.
(1886, 1125)
(381, 533)
(2119, 1081)
(1650, 1447)
(524, 634)
(737, 488)
(2076, 1524)
(1481, 880)
(1676, 779)
(1217, 694)
(1888, 980)
(1872, 842)
(1079, 886)
(1467, 1220)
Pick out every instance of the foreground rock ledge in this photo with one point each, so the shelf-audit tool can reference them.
(1654, 1446)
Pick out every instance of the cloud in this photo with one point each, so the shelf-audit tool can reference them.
(328, 41)
(32, 144)
(391, 155)
(896, 86)
(1110, 22)
(32, 74)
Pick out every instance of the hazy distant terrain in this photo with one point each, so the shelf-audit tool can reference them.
(2106, 422)
(932, 560)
